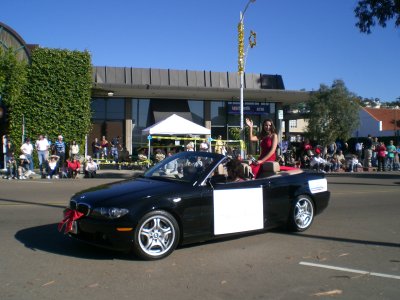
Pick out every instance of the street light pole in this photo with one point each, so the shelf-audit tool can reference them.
(241, 66)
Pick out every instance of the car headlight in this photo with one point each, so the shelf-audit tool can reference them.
(110, 212)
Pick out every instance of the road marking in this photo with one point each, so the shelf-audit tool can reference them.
(349, 270)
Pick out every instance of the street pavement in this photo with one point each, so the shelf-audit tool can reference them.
(350, 252)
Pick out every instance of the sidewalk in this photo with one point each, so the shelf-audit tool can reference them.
(127, 174)
(100, 174)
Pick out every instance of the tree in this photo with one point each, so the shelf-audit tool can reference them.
(52, 94)
(58, 94)
(13, 78)
(333, 113)
(370, 11)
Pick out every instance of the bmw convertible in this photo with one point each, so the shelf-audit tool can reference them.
(188, 198)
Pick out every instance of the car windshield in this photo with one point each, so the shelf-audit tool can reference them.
(186, 167)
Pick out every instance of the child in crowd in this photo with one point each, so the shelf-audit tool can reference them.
(354, 164)
(90, 168)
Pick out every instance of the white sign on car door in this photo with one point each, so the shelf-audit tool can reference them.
(238, 210)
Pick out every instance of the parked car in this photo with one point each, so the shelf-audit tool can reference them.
(186, 198)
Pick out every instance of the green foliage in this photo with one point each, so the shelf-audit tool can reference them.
(56, 99)
(13, 78)
(367, 11)
(333, 113)
(234, 133)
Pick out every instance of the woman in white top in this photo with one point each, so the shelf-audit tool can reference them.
(74, 151)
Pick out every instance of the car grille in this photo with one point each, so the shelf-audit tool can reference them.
(81, 207)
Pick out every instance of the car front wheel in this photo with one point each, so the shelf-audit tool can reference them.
(302, 214)
(156, 235)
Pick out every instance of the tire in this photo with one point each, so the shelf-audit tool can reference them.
(301, 214)
(156, 235)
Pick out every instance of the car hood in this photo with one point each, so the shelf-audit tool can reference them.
(118, 193)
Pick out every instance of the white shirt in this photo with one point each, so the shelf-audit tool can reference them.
(317, 160)
(74, 149)
(42, 145)
(91, 166)
(27, 149)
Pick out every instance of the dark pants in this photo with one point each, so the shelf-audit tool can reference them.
(381, 163)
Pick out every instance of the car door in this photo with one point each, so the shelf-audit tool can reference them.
(232, 207)
(276, 200)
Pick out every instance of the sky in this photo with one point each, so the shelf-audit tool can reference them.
(308, 42)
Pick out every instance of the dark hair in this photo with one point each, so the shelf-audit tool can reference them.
(263, 132)
(235, 169)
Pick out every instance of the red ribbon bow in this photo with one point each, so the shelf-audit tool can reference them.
(70, 216)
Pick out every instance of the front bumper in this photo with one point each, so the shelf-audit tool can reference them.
(104, 233)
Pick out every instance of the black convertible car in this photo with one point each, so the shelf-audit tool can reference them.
(187, 198)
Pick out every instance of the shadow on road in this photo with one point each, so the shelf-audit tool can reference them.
(339, 239)
(47, 238)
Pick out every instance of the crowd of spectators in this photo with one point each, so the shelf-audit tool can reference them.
(55, 161)
(52, 158)
(370, 154)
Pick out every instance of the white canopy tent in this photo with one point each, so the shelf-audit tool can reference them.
(176, 125)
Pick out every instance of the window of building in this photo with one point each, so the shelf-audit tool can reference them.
(115, 109)
(108, 109)
(197, 109)
(140, 112)
(292, 123)
(98, 107)
(140, 120)
(218, 113)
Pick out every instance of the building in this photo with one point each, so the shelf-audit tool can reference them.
(127, 100)
(378, 122)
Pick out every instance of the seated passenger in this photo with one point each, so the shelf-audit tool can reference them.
(235, 170)
(172, 166)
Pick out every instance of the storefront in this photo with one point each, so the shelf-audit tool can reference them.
(127, 100)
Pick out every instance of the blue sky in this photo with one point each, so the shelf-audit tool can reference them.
(308, 42)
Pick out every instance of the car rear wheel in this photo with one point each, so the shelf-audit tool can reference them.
(302, 214)
(156, 235)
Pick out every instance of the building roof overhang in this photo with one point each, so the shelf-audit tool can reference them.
(193, 85)
(196, 93)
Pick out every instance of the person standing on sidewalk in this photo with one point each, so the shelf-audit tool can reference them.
(381, 156)
(60, 150)
(368, 152)
(42, 148)
(391, 151)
